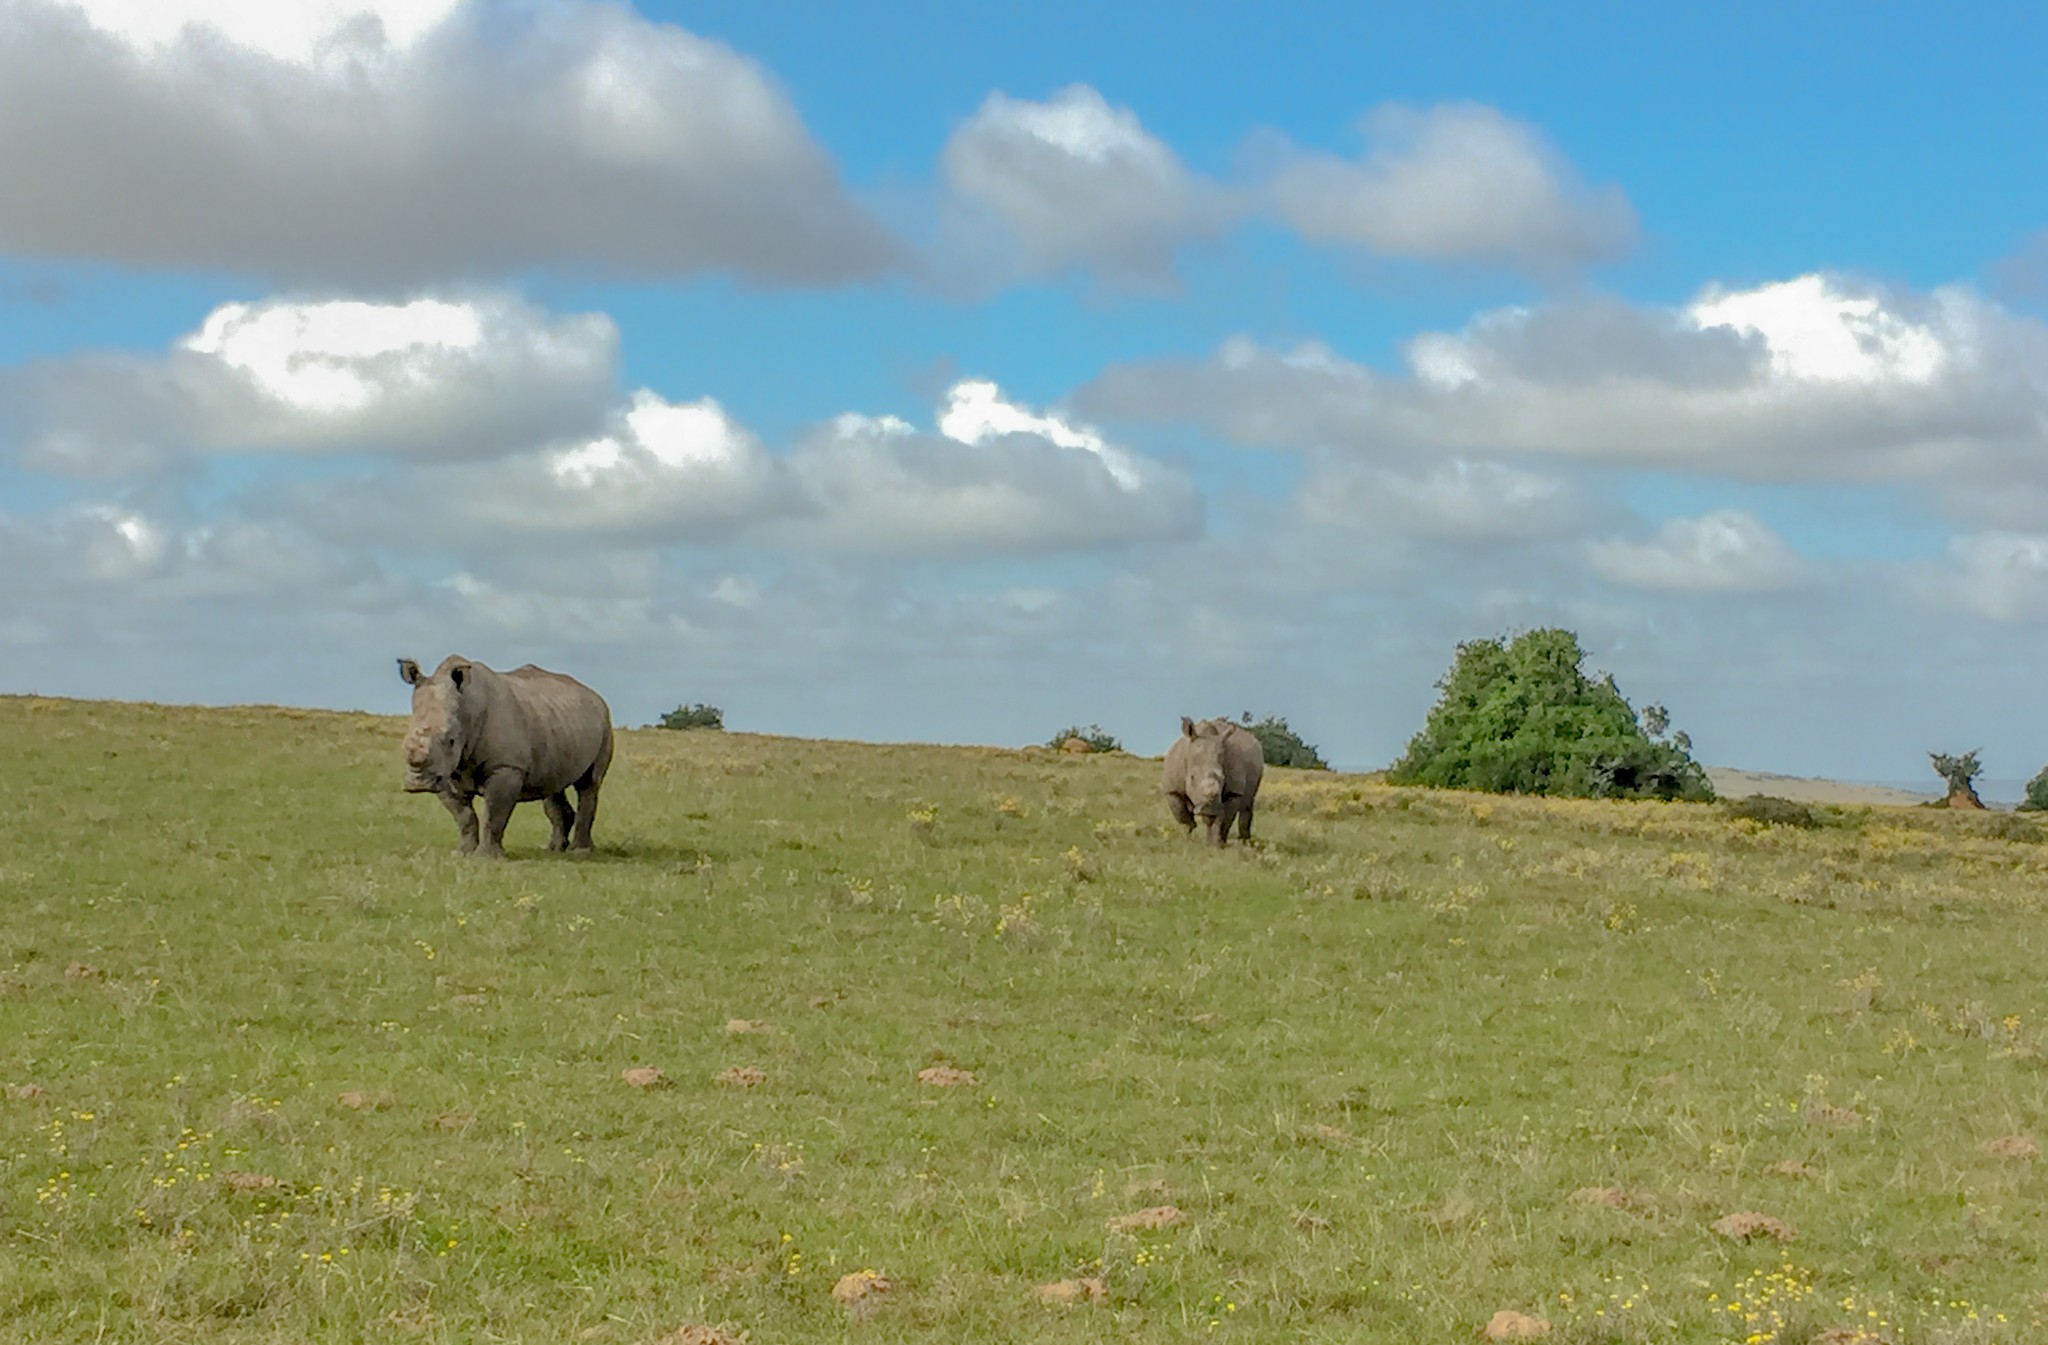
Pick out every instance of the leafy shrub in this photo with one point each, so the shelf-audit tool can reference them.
(2037, 794)
(692, 717)
(1093, 735)
(1282, 745)
(1775, 812)
(1522, 717)
(1959, 773)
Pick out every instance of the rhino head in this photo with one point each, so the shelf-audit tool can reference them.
(433, 742)
(1204, 782)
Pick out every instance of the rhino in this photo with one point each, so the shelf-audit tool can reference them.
(1212, 772)
(512, 738)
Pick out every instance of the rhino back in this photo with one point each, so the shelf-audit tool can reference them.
(1244, 762)
(549, 725)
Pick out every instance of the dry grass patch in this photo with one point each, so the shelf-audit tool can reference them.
(860, 1289)
(742, 1076)
(2012, 1146)
(644, 1076)
(1793, 1168)
(696, 1333)
(359, 1099)
(1613, 1197)
(747, 1027)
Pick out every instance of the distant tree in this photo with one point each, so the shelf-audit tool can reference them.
(1282, 745)
(692, 717)
(1960, 773)
(2037, 793)
(1093, 735)
(1522, 717)
(1656, 720)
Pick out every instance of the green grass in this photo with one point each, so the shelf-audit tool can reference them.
(1371, 1058)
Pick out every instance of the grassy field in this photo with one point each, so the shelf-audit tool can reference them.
(281, 1068)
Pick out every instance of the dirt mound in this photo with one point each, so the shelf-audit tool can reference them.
(1072, 1291)
(743, 1076)
(860, 1289)
(1508, 1324)
(1747, 1224)
(2012, 1146)
(644, 1076)
(696, 1333)
(1159, 1216)
(945, 1076)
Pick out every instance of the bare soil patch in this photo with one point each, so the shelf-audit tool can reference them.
(860, 1289)
(248, 1181)
(1157, 1217)
(455, 1120)
(1793, 1168)
(2012, 1146)
(81, 971)
(1747, 1224)
(644, 1076)
(357, 1099)
(1072, 1291)
(743, 1076)
(748, 1027)
(1507, 1324)
(945, 1076)
(696, 1333)
(24, 1092)
(1613, 1197)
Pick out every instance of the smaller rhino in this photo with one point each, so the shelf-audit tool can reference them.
(1212, 772)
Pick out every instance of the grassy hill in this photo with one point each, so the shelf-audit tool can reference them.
(279, 1067)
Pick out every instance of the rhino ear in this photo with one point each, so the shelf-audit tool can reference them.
(459, 675)
(1187, 726)
(409, 672)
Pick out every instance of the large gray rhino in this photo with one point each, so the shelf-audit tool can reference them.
(1212, 772)
(512, 738)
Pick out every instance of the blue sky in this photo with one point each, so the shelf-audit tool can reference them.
(960, 372)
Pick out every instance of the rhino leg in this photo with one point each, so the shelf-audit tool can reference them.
(586, 814)
(1182, 813)
(560, 816)
(1244, 823)
(1215, 829)
(459, 808)
(501, 795)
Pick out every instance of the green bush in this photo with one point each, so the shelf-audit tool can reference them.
(692, 717)
(1282, 745)
(1774, 811)
(1093, 735)
(1522, 717)
(2037, 794)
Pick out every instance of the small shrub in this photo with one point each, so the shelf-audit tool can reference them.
(1774, 812)
(2037, 794)
(1093, 735)
(692, 717)
(1282, 745)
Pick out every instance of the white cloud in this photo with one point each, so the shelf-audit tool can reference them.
(2000, 575)
(375, 142)
(1072, 182)
(1819, 378)
(1461, 500)
(997, 476)
(1458, 182)
(425, 378)
(1729, 551)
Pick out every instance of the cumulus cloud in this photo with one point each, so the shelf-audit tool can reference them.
(991, 476)
(1729, 551)
(1998, 574)
(1470, 501)
(1459, 182)
(381, 142)
(1815, 378)
(1072, 182)
(996, 476)
(426, 378)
